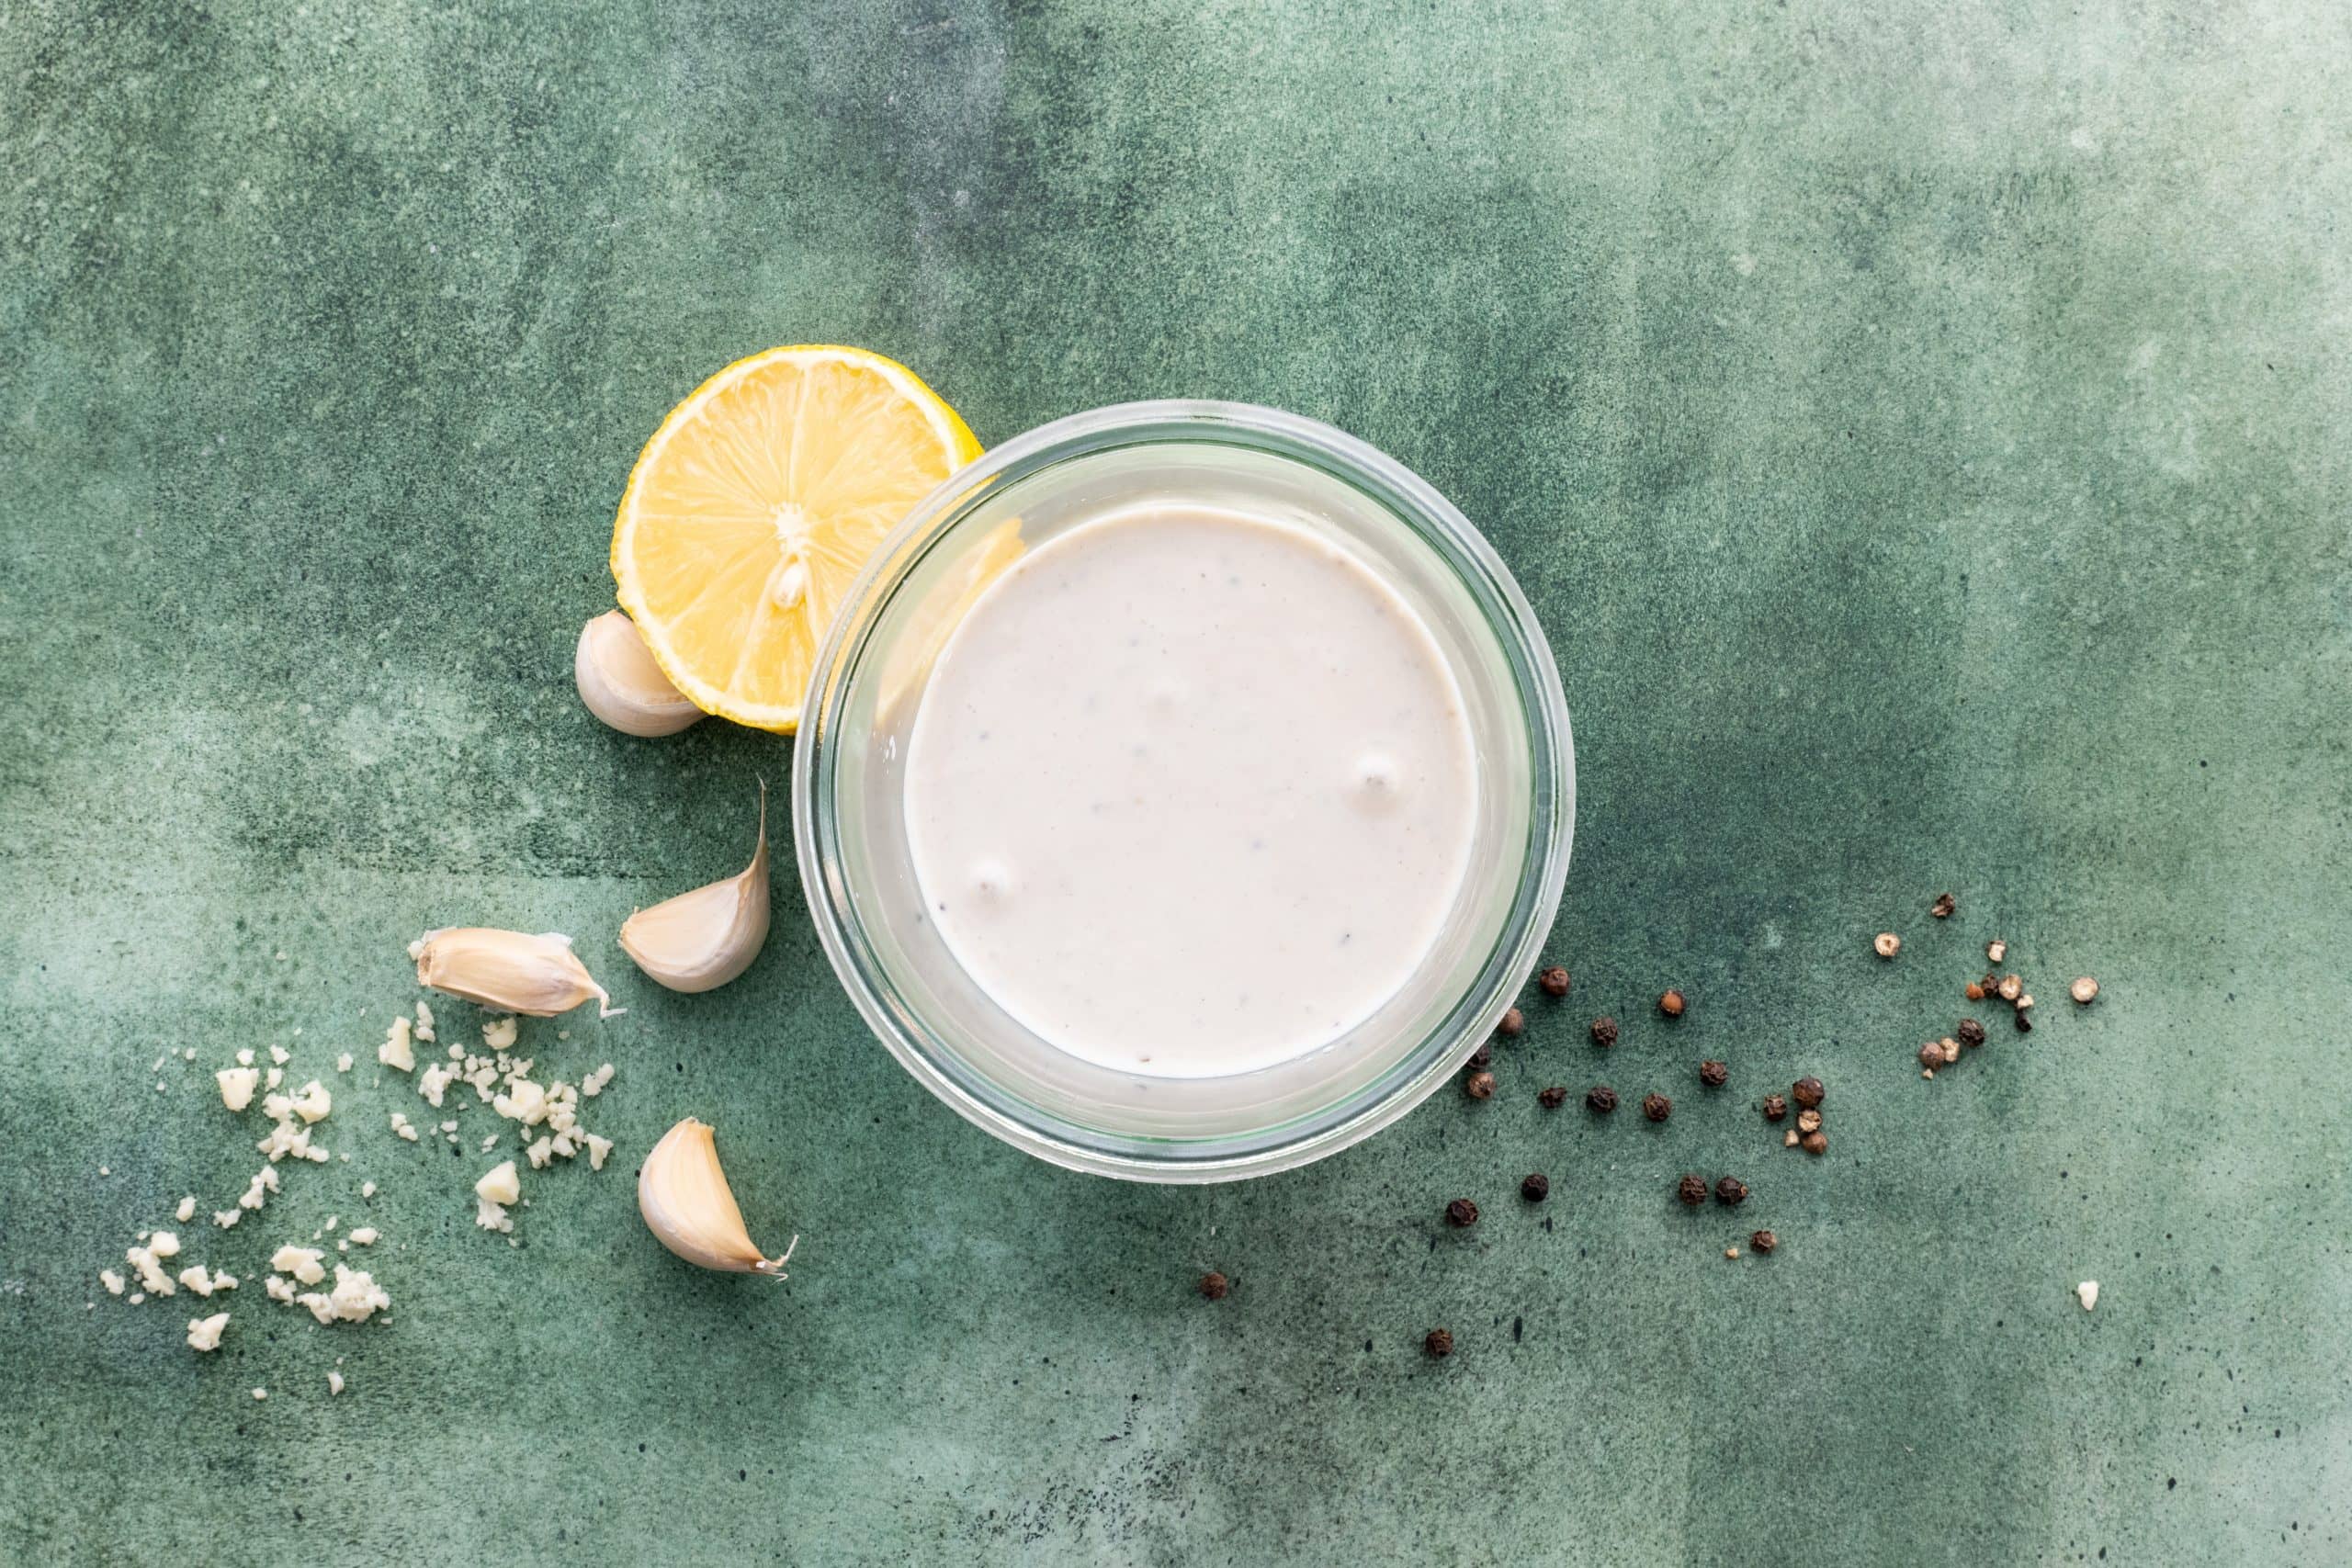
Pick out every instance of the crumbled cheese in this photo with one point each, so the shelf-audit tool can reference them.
(187, 1210)
(367, 1190)
(244, 1058)
(150, 1270)
(111, 1280)
(542, 1149)
(277, 1054)
(364, 1235)
(400, 1126)
(433, 1082)
(395, 1052)
(237, 1085)
(262, 1393)
(498, 1187)
(449, 1126)
(524, 1101)
(286, 1138)
(194, 1277)
(499, 1034)
(164, 1244)
(204, 1333)
(456, 1053)
(265, 1181)
(273, 1077)
(597, 1149)
(424, 1018)
(225, 1218)
(2088, 1293)
(302, 1262)
(136, 1297)
(594, 1083)
(279, 1290)
(343, 1063)
(354, 1299)
(312, 1102)
(334, 1382)
(188, 1055)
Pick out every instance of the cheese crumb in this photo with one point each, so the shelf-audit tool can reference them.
(237, 1085)
(302, 1262)
(164, 1244)
(396, 1052)
(261, 1393)
(204, 1333)
(400, 1126)
(499, 1034)
(364, 1235)
(277, 1054)
(334, 1382)
(111, 1280)
(498, 1187)
(187, 1210)
(354, 1299)
(433, 1082)
(150, 1270)
(597, 1149)
(2088, 1293)
(244, 1058)
(343, 1063)
(188, 1055)
(273, 1077)
(194, 1277)
(367, 1190)
(279, 1290)
(424, 1018)
(594, 1083)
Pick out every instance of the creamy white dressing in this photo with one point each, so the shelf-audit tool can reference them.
(1191, 792)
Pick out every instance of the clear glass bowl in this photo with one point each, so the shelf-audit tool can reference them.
(848, 800)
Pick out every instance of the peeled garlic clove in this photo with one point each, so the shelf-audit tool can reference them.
(690, 1209)
(621, 683)
(508, 971)
(699, 941)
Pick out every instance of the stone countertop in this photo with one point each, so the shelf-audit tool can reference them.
(1925, 441)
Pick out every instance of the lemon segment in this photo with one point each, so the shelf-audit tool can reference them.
(753, 509)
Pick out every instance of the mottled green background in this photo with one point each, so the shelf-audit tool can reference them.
(1924, 429)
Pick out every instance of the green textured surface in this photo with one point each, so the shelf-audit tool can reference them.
(1922, 428)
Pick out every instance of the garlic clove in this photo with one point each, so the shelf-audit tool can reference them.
(621, 683)
(508, 970)
(686, 1202)
(699, 941)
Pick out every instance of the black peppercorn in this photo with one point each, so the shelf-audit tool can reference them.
(1775, 1107)
(1552, 1099)
(1460, 1212)
(1657, 1106)
(1691, 1190)
(1535, 1188)
(1932, 1055)
(2025, 1022)
(1807, 1092)
(1969, 1032)
(1511, 1022)
(1600, 1097)
(1763, 1241)
(1713, 1074)
(1815, 1142)
(1479, 1086)
(1555, 981)
(1671, 1004)
(1437, 1342)
(1484, 1056)
(1214, 1285)
(1731, 1191)
(1943, 906)
(1604, 1033)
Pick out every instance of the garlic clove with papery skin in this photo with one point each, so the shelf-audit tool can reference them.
(688, 1206)
(510, 971)
(621, 683)
(699, 941)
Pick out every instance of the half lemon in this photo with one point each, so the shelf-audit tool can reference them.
(753, 509)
